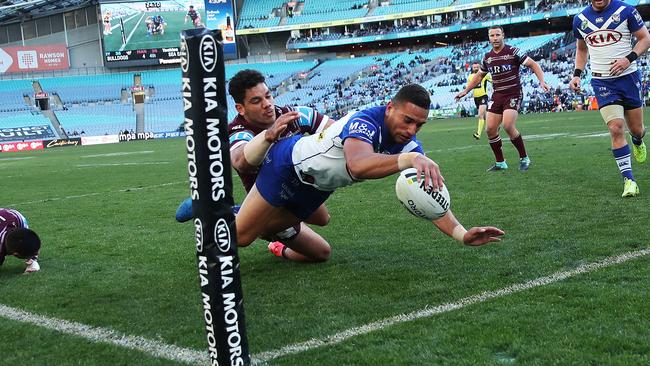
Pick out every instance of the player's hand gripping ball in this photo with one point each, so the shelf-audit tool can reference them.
(420, 200)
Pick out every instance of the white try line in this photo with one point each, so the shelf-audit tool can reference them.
(132, 31)
(103, 335)
(94, 194)
(191, 356)
(429, 312)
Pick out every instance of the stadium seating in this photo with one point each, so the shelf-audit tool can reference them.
(97, 119)
(17, 119)
(11, 95)
(403, 6)
(74, 89)
(257, 14)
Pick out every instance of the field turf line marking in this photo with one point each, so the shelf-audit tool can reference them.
(95, 194)
(132, 31)
(103, 335)
(427, 312)
(191, 356)
(117, 25)
(123, 164)
(123, 153)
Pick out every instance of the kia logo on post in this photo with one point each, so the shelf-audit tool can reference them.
(208, 53)
(222, 235)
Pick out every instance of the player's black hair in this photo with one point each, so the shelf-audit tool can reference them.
(22, 242)
(413, 93)
(496, 27)
(242, 81)
(191, 6)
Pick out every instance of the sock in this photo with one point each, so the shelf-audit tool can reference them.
(638, 140)
(622, 157)
(519, 144)
(481, 124)
(495, 144)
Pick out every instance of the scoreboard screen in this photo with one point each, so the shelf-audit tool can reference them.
(138, 33)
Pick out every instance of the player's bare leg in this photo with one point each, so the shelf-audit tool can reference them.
(320, 217)
(509, 120)
(634, 118)
(257, 217)
(307, 246)
(492, 130)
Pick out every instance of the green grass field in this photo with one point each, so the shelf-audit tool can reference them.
(113, 257)
(136, 32)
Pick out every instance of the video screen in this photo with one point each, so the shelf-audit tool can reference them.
(147, 32)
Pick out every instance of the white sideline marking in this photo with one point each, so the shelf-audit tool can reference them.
(191, 356)
(117, 154)
(122, 164)
(428, 312)
(22, 158)
(95, 194)
(128, 39)
(117, 25)
(103, 335)
(602, 134)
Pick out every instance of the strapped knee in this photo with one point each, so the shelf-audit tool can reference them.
(612, 112)
(286, 234)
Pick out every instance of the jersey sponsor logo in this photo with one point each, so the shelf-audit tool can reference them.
(600, 20)
(362, 128)
(604, 37)
(584, 25)
(499, 69)
(513, 102)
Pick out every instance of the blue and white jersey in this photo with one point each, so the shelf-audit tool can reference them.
(608, 35)
(319, 160)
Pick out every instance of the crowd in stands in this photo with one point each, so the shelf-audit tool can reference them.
(478, 15)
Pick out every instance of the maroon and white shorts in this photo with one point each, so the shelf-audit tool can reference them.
(502, 101)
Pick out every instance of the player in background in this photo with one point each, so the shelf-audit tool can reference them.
(258, 124)
(107, 23)
(503, 63)
(480, 97)
(159, 25)
(16, 239)
(301, 172)
(194, 16)
(604, 34)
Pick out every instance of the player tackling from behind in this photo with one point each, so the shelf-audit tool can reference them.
(16, 239)
(259, 123)
(604, 33)
(503, 63)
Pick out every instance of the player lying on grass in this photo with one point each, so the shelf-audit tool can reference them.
(16, 239)
(300, 172)
(258, 124)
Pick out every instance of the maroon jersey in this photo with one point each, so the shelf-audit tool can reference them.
(504, 67)
(241, 131)
(9, 220)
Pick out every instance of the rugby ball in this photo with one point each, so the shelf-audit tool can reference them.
(420, 200)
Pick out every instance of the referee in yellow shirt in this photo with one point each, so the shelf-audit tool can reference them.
(480, 98)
